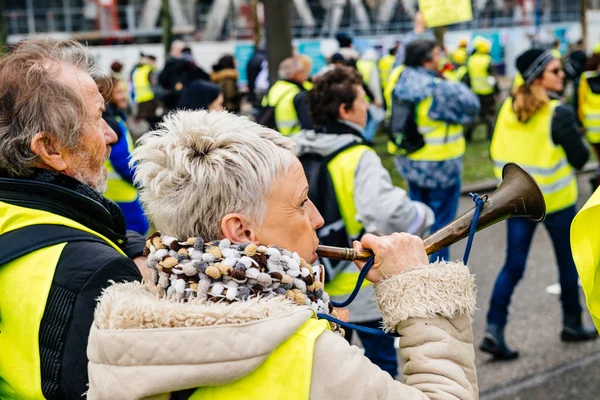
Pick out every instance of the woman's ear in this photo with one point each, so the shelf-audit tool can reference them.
(238, 229)
(49, 152)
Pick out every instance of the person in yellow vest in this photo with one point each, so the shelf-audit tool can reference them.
(426, 132)
(481, 77)
(283, 95)
(120, 188)
(459, 59)
(386, 64)
(537, 132)
(361, 192)
(62, 240)
(144, 81)
(237, 318)
(589, 107)
(556, 49)
(518, 79)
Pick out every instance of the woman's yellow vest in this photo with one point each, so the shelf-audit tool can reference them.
(589, 106)
(342, 169)
(118, 189)
(530, 145)
(286, 373)
(142, 87)
(281, 96)
(478, 65)
(385, 65)
(585, 244)
(24, 287)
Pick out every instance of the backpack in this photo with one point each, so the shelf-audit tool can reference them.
(403, 130)
(322, 193)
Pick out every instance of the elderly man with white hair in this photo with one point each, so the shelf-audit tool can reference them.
(231, 314)
(281, 102)
(62, 241)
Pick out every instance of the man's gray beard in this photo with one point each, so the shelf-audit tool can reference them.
(100, 185)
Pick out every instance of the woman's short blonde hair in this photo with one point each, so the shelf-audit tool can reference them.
(202, 165)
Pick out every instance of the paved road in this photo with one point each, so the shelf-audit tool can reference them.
(547, 368)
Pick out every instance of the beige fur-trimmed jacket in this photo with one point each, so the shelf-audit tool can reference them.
(135, 347)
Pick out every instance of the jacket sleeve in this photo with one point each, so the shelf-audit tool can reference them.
(565, 133)
(102, 266)
(383, 208)
(301, 107)
(436, 341)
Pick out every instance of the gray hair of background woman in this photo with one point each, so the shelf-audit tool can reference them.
(33, 99)
(200, 166)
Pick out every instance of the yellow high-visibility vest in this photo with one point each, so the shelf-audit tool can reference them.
(281, 96)
(386, 63)
(118, 189)
(556, 54)
(518, 81)
(589, 108)
(477, 66)
(530, 145)
(285, 374)
(459, 56)
(24, 287)
(342, 169)
(585, 244)
(389, 88)
(142, 87)
(365, 68)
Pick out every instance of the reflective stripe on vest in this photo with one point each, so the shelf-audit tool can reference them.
(285, 374)
(281, 96)
(585, 243)
(142, 88)
(442, 141)
(342, 169)
(530, 145)
(477, 66)
(590, 107)
(118, 189)
(24, 287)
(386, 63)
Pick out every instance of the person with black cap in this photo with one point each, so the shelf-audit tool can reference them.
(536, 131)
(201, 95)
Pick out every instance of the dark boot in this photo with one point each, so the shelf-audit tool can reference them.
(494, 344)
(575, 331)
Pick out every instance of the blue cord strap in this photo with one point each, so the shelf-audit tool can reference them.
(479, 203)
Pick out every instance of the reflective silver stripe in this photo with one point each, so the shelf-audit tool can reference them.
(537, 170)
(591, 116)
(558, 185)
(592, 128)
(425, 131)
(444, 140)
(113, 175)
(286, 123)
(334, 226)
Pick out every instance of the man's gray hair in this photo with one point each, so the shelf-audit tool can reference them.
(289, 66)
(33, 99)
(200, 166)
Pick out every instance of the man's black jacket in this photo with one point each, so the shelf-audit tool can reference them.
(83, 271)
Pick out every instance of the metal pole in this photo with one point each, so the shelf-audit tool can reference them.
(167, 26)
(68, 16)
(3, 29)
(583, 19)
(538, 16)
(279, 34)
(255, 22)
(30, 17)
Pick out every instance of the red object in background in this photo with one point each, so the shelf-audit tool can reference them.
(107, 17)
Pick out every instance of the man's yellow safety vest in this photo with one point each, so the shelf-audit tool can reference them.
(386, 63)
(118, 189)
(142, 87)
(389, 88)
(585, 244)
(285, 374)
(342, 169)
(443, 141)
(281, 96)
(459, 56)
(556, 54)
(518, 81)
(530, 145)
(365, 68)
(477, 66)
(24, 287)
(589, 104)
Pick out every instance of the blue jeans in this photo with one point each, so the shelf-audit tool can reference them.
(380, 350)
(520, 233)
(444, 203)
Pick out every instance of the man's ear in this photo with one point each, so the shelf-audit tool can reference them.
(238, 229)
(342, 111)
(49, 151)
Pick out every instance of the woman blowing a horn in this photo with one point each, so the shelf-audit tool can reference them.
(231, 311)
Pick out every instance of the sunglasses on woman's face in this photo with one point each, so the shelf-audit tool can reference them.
(556, 71)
